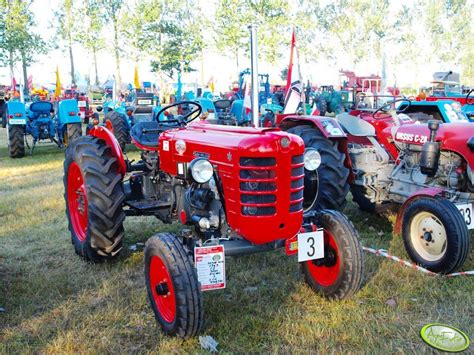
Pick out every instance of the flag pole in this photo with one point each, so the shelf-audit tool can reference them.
(254, 68)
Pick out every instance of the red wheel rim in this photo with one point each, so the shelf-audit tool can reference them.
(77, 201)
(162, 289)
(326, 275)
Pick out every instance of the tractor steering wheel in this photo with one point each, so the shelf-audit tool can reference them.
(470, 97)
(183, 119)
(385, 108)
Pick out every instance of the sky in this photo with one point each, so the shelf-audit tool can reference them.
(214, 64)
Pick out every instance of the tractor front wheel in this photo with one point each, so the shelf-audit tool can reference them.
(339, 274)
(115, 122)
(435, 234)
(94, 197)
(16, 141)
(172, 285)
(326, 187)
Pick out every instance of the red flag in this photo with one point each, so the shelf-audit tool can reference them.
(289, 78)
(30, 82)
(13, 84)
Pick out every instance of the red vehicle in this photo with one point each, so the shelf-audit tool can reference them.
(236, 190)
(427, 168)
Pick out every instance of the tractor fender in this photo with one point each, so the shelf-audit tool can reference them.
(329, 127)
(426, 192)
(104, 134)
(16, 112)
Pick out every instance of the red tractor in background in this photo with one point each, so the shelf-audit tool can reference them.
(385, 156)
(235, 190)
(427, 168)
(85, 110)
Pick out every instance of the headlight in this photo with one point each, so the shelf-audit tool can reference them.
(201, 170)
(312, 159)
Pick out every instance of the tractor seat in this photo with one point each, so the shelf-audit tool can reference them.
(356, 126)
(146, 133)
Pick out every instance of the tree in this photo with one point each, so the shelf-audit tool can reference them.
(68, 29)
(180, 39)
(272, 16)
(18, 42)
(90, 34)
(112, 10)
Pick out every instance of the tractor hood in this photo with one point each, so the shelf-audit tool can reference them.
(222, 144)
(452, 136)
(248, 162)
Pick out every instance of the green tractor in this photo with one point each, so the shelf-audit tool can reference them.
(328, 100)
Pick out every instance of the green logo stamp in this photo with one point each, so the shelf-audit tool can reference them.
(444, 337)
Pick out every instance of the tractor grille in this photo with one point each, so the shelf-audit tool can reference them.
(297, 183)
(258, 186)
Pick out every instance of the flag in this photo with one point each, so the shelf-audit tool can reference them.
(57, 92)
(136, 82)
(13, 88)
(211, 84)
(29, 83)
(247, 99)
(294, 85)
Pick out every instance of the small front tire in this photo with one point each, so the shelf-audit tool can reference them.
(172, 285)
(339, 274)
(435, 234)
(16, 141)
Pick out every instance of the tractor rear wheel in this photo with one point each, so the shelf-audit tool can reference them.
(322, 106)
(4, 117)
(360, 196)
(116, 123)
(339, 274)
(94, 197)
(16, 141)
(435, 234)
(172, 285)
(73, 131)
(327, 187)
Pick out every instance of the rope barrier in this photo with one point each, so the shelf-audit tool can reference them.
(384, 253)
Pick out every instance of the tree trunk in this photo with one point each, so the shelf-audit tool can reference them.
(95, 66)
(71, 57)
(117, 55)
(25, 74)
(237, 58)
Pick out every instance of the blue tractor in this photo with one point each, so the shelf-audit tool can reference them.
(441, 110)
(120, 118)
(41, 121)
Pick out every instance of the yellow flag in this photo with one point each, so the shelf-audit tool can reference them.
(136, 82)
(57, 93)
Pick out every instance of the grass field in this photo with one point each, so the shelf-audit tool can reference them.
(53, 302)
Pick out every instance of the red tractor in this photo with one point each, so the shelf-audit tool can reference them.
(236, 190)
(427, 169)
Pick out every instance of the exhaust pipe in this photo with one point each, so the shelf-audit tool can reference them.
(254, 69)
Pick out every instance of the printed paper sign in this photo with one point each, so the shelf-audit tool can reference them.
(210, 266)
(81, 104)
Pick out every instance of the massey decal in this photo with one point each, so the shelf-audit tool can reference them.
(410, 137)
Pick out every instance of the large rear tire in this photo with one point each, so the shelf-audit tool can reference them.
(173, 287)
(339, 274)
(94, 197)
(327, 187)
(116, 122)
(73, 131)
(16, 141)
(435, 234)
(322, 106)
